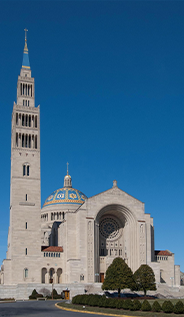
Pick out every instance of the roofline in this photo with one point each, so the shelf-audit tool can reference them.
(119, 189)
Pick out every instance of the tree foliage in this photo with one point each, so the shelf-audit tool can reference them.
(144, 279)
(118, 276)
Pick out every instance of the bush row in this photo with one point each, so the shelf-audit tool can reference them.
(36, 295)
(128, 304)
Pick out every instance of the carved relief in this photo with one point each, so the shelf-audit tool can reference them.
(142, 243)
(90, 251)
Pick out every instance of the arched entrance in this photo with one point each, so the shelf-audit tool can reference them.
(51, 275)
(115, 236)
(44, 272)
(59, 276)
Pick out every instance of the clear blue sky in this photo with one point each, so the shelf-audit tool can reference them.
(109, 78)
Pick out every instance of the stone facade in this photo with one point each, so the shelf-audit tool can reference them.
(73, 239)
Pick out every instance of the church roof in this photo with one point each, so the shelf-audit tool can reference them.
(66, 196)
(53, 249)
(160, 252)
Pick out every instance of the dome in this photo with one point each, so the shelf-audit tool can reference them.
(66, 196)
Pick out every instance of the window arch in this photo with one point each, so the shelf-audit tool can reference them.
(26, 273)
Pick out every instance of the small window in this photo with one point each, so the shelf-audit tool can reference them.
(26, 251)
(26, 273)
(26, 197)
(26, 170)
(26, 225)
(81, 277)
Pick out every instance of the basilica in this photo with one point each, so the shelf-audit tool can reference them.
(72, 239)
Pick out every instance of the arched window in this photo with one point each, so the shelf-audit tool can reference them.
(17, 120)
(23, 120)
(26, 169)
(44, 272)
(23, 144)
(17, 142)
(35, 141)
(29, 141)
(25, 273)
(35, 121)
(26, 143)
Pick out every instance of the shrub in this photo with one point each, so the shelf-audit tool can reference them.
(146, 306)
(156, 307)
(34, 295)
(127, 304)
(111, 302)
(93, 300)
(167, 307)
(103, 301)
(55, 294)
(136, 305)
(179, 308)
(119, 304)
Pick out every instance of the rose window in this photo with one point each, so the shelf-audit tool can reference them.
(109, 228)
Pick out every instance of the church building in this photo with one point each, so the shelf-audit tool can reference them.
(72, 239)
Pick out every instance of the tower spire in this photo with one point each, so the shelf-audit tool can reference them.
(25, 63)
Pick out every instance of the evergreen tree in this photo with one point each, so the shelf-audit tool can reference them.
(118, 276)
(144, 279)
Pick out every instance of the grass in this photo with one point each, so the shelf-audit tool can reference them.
(123, 312)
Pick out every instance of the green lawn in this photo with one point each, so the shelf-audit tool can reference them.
(123, 312)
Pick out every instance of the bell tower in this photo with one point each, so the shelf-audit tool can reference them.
(25, 201)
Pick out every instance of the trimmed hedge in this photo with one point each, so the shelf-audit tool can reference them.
(167, 307)
(146, 306)
(179, 307)
(136, 305)
(127, 304)
(156, 307)
(35, 295)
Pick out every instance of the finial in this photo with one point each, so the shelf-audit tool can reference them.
(25, 47)
(114, 183)
(25, 34)
(67, 179)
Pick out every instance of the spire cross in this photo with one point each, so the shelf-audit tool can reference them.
(67, 167)
(25, 34)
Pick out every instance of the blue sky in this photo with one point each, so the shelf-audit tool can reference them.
(109, 78)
